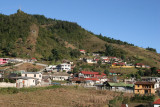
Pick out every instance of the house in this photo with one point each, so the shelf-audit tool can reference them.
(124, 105)
(122, 87)
(51, 68)
(89, 74)
(33, 59)
(153, 79)
(158, 71)
(64, 67)
(139, 65)
(114, 73)
(85, 81)
(4, 61)
(104, 57)
(95, 54)
(94, 76)
(26, 82)
(89, 83)
(60, 76)
(144, 87)
(37, 75)
(91, 61)
(95, 80)
(82, 51)
(156, 103)
(119, 64)
(46, 80)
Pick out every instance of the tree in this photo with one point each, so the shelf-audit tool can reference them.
(99, 63)
(106, 72)
(154, 71)
(141, 73)
(75, 53)
(109, 50)
(151, 49)
(75, 70)
(56, 55)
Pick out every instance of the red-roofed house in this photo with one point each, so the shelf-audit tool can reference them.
(3, 61)
(33, 59)
(158, 71)
(82, 51)
(157, 103)
(139, 65)
(124, 105)
(97, 75)
(88, 74)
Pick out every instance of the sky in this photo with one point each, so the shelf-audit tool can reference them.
(134, 21)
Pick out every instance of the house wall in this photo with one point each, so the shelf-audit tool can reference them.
(140, 89)
(3, 61)
(38, 76)
(25, 83)
(60, 78)
(156, 105)
(4, 84)
(66, 67)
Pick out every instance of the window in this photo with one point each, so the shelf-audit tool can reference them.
(138, 85)
(137, 90)
(33, 80)
(25, 75)
(34, 75)
(40, 75)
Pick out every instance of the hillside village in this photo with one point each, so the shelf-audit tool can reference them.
(65, 71)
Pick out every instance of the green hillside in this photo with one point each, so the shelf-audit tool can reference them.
(24, 35)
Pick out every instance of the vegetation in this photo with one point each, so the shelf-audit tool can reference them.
(151, 49)
(112, 40)
(142, 98)
(17, 90)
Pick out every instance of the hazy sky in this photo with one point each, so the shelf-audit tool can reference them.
(134, 21)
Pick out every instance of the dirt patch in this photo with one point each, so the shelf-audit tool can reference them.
(26, 67)
(68, 45)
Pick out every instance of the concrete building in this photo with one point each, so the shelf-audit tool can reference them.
(37, 75)
(144, 87)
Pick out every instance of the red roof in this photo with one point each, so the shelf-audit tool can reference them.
(123, 105)
(33, 58)
(158, 70)
(157, 102)
(106, 59)
(81, 50)
(139, 64)
(96, 59)
(93, 79)
(94, 73)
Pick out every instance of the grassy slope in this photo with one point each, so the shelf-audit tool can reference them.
(146, 57)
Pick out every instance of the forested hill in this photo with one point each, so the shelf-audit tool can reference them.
(25, 35)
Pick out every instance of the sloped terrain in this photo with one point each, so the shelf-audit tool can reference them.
(26, 36)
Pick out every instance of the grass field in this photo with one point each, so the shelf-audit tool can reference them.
(54, 96)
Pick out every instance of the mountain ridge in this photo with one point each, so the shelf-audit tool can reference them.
(25, 35)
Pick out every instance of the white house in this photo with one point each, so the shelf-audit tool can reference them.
(60, 78)
(91, 61)
(37, 75)
(64, 67)
(25, 82)
(156, 103)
